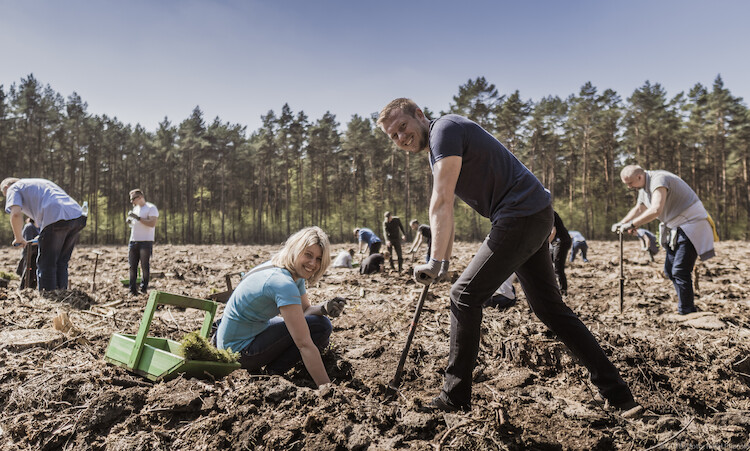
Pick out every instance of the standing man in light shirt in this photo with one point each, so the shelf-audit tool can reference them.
(59, 218)
(142, 220)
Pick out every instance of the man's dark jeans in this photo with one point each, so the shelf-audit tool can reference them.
(375, 247)
(396, 246)
(139, 251)
(519, 245)
(274, 348)
(56, 243)
(678, 266)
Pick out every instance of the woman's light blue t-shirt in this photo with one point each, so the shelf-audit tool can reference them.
(254, 302)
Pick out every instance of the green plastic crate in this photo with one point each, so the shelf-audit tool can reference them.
(161, 358)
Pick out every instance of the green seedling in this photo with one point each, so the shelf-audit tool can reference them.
(8, 275)
(197, 347)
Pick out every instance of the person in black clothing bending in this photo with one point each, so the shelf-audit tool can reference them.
(391, 227)
(560, 243)
(423, 235)
(374, 263)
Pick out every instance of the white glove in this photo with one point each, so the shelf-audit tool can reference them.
(625, 226)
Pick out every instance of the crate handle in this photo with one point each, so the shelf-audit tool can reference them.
(160, 297)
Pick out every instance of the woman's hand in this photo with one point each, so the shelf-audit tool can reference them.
(297, 326)
(333, 307)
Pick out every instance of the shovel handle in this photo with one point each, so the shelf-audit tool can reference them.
(622, 275)
(396, 381)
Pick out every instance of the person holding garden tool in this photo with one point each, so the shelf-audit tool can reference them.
(686, 230)
(469, 162)
(60, 220)
(366, 238)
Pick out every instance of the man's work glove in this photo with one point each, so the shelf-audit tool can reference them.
(624, 227)
(333, 307)
(616, 227)
(443, 270)
(428, 272)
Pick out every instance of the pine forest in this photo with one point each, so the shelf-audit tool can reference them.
(218, 182)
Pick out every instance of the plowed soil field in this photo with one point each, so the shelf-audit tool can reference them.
(691, 373)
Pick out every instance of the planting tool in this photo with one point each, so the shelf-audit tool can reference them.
(622, 274)
(396, 381)
(160, 358)
(96, 263)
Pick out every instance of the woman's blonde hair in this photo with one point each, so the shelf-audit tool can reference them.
(296, 244)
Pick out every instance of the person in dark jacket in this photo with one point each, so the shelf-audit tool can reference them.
(27, 268)
(560, 243)
(391, 228)
(374, 263)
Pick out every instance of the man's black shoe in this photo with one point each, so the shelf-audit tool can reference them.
(442, 403)
(628, 409)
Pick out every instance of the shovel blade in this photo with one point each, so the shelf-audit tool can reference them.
(391, 391)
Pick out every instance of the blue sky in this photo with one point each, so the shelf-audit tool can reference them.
(143, 60)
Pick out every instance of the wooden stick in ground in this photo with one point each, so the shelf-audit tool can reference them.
(96, 263)
(622, 274)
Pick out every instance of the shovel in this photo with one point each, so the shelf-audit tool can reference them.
(396, 381)
(622, 275)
